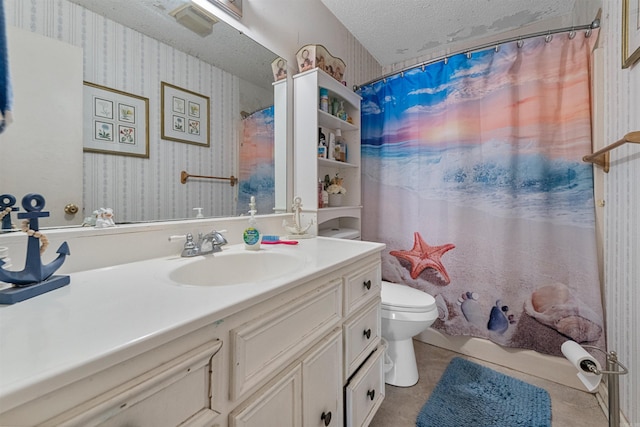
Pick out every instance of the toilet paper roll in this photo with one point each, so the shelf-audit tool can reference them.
(581, 359)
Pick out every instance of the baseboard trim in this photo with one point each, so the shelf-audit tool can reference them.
(552, 368)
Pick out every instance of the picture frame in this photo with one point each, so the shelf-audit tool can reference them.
(630, 32)
(115, 122)
(185, 115)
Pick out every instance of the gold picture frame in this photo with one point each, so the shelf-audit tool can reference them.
(115, 122)
(630, 32)
(185, 115)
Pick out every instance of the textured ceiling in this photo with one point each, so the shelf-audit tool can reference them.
(220, 48)
(394, 31)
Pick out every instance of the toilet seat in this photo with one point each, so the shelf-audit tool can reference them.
(406, 299)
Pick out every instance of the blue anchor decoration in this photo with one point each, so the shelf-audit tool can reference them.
(6, 207)
(36, 278)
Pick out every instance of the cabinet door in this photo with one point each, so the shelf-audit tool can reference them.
(322, 384)
(276, 405)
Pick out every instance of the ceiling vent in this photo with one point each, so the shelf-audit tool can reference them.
(194, 18)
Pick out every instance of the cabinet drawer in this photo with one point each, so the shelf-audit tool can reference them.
(361, 286)
(262, 346)
(276, 405)
(365, 392)
(176, 393)
(361, 336)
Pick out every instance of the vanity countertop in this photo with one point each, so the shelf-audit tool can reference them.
(111, 314)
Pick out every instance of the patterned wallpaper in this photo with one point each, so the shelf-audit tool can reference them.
(622, 212)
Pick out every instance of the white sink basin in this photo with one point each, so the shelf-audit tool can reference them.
(235, 268)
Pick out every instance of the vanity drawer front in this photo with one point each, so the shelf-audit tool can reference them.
(365, 392)
(361, 286)
(176, 393)
(262, 346)
(361, 336)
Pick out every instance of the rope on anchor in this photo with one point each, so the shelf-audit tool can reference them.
(38, 235)
(4, 213)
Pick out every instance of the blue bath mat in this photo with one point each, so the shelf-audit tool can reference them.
(471, 395)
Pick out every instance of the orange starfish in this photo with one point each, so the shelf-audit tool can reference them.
(423, 256)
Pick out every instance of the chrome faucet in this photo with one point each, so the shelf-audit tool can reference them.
(207, 244)
(211, 242)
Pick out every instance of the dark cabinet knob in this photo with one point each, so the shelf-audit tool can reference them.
(367, 333)
(326, 417)
(367, 284)
(371, 394)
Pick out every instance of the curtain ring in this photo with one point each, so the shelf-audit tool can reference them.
(497, 48)
(572, 34)
(587, 33)
(520, 43)
(422, 67)
(548, 38)
(468, 55)
(401, 73)
(446, 60)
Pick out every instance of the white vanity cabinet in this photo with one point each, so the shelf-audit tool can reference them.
(289, 358)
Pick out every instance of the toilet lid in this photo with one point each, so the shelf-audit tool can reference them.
(405, 298)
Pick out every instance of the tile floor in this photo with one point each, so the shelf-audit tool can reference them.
(569, 407)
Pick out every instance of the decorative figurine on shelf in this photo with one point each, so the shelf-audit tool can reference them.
(100, 218)
(6, 207)
(296, 231)
(104, 218)
(36, 278)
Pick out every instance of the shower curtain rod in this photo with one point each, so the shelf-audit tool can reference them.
(594, 24)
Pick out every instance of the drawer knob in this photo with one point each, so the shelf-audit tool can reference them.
(326, 417)
(367, 284)
(367, 333)
(371, 394)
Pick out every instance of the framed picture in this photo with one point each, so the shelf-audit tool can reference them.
(185, 115)
(630, 32)
(115, 122)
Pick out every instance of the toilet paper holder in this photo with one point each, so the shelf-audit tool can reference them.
(613, 387)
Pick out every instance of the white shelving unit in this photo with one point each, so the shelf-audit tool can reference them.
(308, 169)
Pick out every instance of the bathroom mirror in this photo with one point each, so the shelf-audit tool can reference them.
(134, 46)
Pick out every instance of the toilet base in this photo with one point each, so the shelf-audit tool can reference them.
(404, 372)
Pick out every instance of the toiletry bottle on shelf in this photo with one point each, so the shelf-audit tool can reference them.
(341, 147)
(331, 147)
(342, 115)
(251, 235)
(320, 189)
(322, 144)
(324, 100)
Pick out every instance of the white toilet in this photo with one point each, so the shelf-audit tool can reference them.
(405, 313)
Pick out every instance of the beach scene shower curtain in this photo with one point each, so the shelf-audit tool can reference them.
(472, 176)
(256, 175)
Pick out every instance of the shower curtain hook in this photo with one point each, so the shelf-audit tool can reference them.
(497, 48)
(520, 43)
(587, 33)
(572, 34)
(548, 37)
(401, 73)
(422, 67)
(446, 60)
(468, 55)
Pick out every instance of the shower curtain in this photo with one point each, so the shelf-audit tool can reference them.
(472, 176)
(257, 170)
